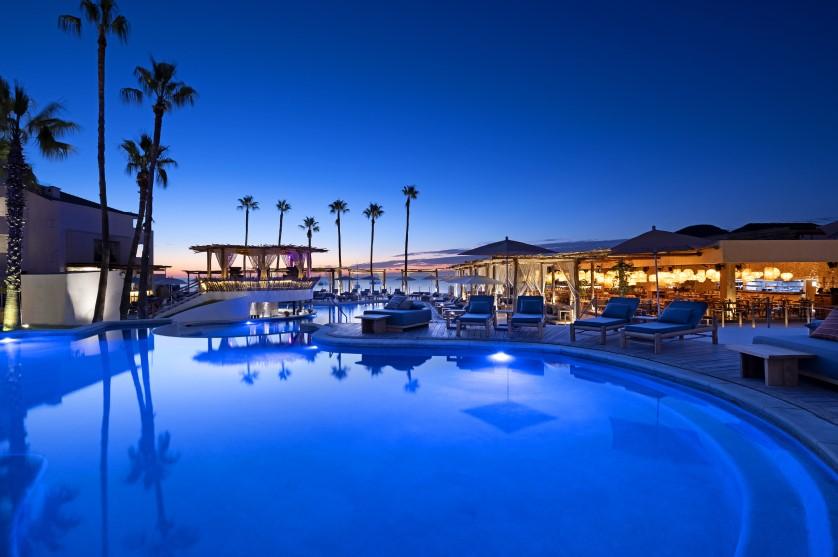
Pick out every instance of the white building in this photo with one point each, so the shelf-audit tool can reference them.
(63, 233)
(62, 250)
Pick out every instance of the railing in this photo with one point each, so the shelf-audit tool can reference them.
(243, 285)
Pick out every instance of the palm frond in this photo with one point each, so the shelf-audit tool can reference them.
(20, 101)
(70, 24)
(90, 10)
(120, 27)
(50, 147)
(184, 95)
(131, 95)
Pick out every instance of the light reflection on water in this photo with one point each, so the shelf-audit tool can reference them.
(250, 441)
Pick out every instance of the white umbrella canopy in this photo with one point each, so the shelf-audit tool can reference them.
(655, 242)
(507, 248)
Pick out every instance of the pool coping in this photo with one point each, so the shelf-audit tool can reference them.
(85, 330)
(817, 434)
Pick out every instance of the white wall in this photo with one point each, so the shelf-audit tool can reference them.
(231, 306)
(67, 298)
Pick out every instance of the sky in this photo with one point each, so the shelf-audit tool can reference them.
(543, 121)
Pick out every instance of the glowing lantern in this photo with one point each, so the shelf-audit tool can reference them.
(771, 273)
(786, 276)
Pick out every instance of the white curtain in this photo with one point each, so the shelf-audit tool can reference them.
(269, 260)
(228, 256)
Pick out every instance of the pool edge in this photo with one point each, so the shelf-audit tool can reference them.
(817, 434)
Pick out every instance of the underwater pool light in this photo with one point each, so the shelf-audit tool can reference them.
(8, 340)
(500, 357)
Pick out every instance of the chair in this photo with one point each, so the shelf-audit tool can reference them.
(680, 318)
(529, 312)
(480, 310)
(618, 312)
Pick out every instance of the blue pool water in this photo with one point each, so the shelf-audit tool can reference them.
(248, 442)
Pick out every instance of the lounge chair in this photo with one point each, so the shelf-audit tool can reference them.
(480, 310)
(618, 313)
(679, 319)
(403, 314)
(529, 312)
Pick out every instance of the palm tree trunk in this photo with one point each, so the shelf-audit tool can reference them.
(127, 282)
(279, 240)
(340, 257)
(406, 233)
(145, 260)
(372, 242)
(99, 308)
(15, 204)
(246, 231)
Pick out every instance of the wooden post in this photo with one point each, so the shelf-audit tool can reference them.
(384, 279)
(436, 279)
(593, 298)
(209, 266)
(331, 281)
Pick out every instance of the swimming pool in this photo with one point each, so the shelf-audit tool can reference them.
(243, 442)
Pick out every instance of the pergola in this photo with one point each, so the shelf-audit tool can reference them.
(262, 258)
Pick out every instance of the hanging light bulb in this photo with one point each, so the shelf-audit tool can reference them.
(786, 276)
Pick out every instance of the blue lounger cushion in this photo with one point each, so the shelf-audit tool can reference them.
(597, 322)
(653, 327)
(826, 362)
(676, 315)
(531, 305)
(527, 317)
(475, 317)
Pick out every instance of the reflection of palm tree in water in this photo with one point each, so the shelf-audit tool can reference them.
(412, 384)
(103, 441)
(249, 377)
(151, 460)
(19, 471)
(339, 372)
(284, 373)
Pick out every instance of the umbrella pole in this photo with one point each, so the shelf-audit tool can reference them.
(657, 285)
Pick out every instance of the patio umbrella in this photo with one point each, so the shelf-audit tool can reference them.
(655, 242)
(507, 248)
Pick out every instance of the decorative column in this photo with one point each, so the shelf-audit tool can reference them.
(727, 283)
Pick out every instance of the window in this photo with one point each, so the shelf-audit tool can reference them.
(4, 242)
(97, 251)
(2, 206)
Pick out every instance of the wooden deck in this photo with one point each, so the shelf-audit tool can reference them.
(697, 355)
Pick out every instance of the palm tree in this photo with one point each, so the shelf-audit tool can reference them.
(310, 225)
(409, 192)
(339, 207)
(18, 124)
(283, 207)
(166, 93)
(139, 161)
(247, 204)
(103, 14)
(373, 212)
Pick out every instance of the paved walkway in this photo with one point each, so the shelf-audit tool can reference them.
(809, 411)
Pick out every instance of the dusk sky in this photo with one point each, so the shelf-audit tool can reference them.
(560, 121)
